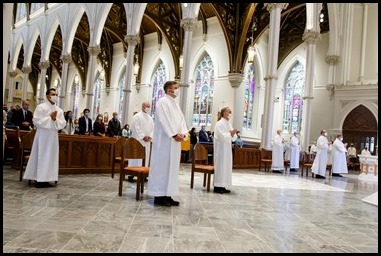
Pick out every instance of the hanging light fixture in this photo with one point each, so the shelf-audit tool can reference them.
(76, 79)
(251, 49)
(136, 66)
(181, 60)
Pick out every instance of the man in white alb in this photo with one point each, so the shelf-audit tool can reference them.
(319, 166)
(294, 152)
(277, 163)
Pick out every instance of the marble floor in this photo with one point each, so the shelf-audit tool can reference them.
(265, 212)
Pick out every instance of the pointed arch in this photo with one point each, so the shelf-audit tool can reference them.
(158, 78)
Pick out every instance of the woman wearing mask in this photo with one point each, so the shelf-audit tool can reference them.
(69, 128)
(224, 134)
(99, 128)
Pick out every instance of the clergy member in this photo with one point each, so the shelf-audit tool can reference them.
(294, 152)
(48, 118)
(142, 130)
(169, 131)
(339, 158)
(224, 134)
(319, 166)
(277, 163)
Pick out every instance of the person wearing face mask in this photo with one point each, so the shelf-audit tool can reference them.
(85, 124)
(319, 166)
(169, 131)
(69, 128)
(142, 130)
(114, 127)
(294, 152)
(224, 135)
(339, 158)
(43, 162)
(99, 128)
(277, 163)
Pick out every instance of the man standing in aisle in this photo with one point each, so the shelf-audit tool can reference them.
(169, 131)
(142, 130)
(319, 166)
(339, 158)
(114, 128)
(294, 153)
(43, 163)
(277, 163)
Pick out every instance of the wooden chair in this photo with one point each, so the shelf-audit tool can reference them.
(266, 159)
(118, 154)
(307, 161)
(26, 147)
(12, 143)
(200, 164)
(133, 149)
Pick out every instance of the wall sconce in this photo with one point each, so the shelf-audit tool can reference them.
(181, 61)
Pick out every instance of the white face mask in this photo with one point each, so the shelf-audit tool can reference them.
(54, 98)
(341, 139)
(176, 92)
(325, 134)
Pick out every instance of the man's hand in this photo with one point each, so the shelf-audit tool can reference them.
(179, 137)
(147, 138)
(53, 115)
(25, 123)
(232, 132)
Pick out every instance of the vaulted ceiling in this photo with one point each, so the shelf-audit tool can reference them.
(240, 22)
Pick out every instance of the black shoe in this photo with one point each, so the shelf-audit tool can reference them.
(276, 171)
(161, 200)
(317, 176)
(145, 179)
(226, 190)
(337, 175)
(219, 190)
(293, 170)
(130, 179)
(43, 185)
(172, 202)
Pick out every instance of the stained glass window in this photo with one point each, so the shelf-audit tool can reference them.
(203, 96)
(249, 98)
(97, 97)
(76, 93)
(21, 11)
(121, 92)
(293, 99)
(158, 80)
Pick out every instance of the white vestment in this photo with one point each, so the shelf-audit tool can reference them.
(320, 163)
(365, 152)
(313, 149)
(223, 155)
(277, 162)
(166, 151)
(329, 154)
(294, 153)
(43, 162)
(339, 159)
(141, 126)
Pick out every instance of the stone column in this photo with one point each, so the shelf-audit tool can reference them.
(26, 70)
(272, 72)
(311, 38)
(235, 80)
(332, 61)
(94, 51)
(189, 25)
(132, 41)
(66, 59)
(43, 66)
(7, 32)
(11, 87)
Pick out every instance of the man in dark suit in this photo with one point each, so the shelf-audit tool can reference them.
(203, 136)
(23, 117)
(85, 124)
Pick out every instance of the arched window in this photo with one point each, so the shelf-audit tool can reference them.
(21, 11)
(293, 99)
(97, 96)
(203, 96)
(249, 98)
(121, 92)
(76, 93)
(158, 80)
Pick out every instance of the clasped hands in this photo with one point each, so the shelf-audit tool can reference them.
(53, 115)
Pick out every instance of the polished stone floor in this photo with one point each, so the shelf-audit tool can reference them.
(265, 212)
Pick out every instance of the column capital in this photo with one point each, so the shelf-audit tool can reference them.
(44, 65)
(332, 59)
(66, 58)
(132, 40)
(13, 74)
(94, 50)
(270, 76)
(26, 69)
(311, 37)
(235, 79)
(189, 24)
(272, 6)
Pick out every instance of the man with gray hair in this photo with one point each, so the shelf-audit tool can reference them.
(114, 128)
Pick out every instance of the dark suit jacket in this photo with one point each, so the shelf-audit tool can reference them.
(82, 125)
(18, 118)
(203, 136)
